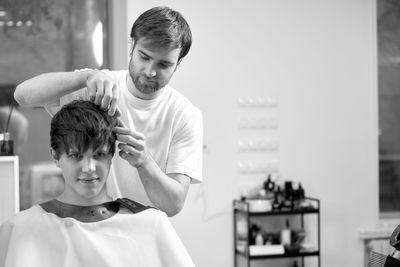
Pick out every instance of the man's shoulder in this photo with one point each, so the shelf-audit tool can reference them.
(180, 102)
(116, 74)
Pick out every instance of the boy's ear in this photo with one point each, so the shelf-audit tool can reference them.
(54, 156)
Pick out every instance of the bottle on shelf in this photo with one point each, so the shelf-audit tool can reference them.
(286, 234)
(299, 197)
(269, 187)
(288, 196)
(259, 239)
(302, 194)
(278, 199)
(255, 230)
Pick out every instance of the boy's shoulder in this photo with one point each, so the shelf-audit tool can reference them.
(29, 215)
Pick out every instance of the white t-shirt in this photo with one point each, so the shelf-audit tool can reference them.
(36, 238)
(173, 128)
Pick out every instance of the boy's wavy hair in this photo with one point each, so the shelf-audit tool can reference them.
(82, 125)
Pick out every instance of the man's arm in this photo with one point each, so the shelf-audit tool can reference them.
(167, 192)
(47, 89)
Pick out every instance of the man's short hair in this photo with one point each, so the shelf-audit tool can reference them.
(82, 125)
(163, 26)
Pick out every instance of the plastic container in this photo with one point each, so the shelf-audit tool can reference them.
(6, 145)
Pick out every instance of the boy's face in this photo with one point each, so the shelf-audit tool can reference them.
(85, 174)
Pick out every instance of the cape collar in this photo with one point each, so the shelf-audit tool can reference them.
(93, 213)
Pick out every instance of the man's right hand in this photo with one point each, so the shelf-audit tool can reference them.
(103, 91)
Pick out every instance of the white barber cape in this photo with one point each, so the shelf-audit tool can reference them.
(36, 238)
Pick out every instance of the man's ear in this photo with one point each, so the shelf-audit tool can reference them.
(54, 156)
(132, 46)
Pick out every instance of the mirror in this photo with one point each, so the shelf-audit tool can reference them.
(44, 36)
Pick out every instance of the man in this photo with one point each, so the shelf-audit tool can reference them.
(161, 146)
(84, 226)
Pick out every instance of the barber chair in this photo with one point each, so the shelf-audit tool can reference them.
(392, 260)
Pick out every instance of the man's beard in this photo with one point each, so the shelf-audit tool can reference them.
(143, 85)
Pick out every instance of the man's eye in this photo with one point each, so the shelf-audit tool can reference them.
(164, 66)
(74, 156)
(144, 58)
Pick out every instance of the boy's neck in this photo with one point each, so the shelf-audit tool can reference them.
(82, 201)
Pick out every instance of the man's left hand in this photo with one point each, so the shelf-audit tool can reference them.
(132, 146)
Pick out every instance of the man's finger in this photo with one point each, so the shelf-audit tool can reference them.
(123, 155)
(107, 95)
(130, 132)
(99, 92)
(120, 122)
(112, 110)
(129, 149)
(91, 92)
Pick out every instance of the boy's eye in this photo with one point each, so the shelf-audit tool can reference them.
(101, 154)
(74, 156)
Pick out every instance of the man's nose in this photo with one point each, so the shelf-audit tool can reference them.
(151, 70)
(88, 165)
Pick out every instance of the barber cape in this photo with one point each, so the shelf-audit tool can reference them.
(37, 238)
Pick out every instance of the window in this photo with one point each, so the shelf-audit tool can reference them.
(389, 106)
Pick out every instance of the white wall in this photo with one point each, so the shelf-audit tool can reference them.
(319, 59)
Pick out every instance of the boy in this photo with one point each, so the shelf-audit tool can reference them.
(84, 226)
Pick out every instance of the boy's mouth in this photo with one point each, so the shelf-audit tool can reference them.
(89, 180)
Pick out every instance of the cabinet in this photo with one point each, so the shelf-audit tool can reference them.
(9, 187)
(243, 218)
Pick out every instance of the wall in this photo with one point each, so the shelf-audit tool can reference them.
(319, 59)
(119, 36)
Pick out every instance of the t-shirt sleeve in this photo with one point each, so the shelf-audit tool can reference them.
(171, 249)
(81, 94)
(186, 151)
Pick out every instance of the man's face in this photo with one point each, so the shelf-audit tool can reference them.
(152, 68)
(85, 174)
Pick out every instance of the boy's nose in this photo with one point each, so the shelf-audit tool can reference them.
(88, 165)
